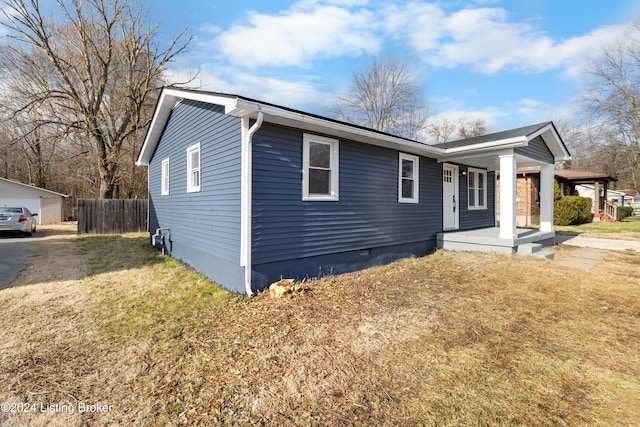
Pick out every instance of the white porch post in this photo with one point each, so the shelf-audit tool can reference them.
(546, 197)
(508, 175)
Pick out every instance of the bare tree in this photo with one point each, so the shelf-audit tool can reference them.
(92, 78)
(612, 106)
(386, 97)
(469, 128)
(443, 130)
(439, 131)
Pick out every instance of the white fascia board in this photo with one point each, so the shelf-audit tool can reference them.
(553, 142)
(168, 99)
(316, 124)
(519, 141)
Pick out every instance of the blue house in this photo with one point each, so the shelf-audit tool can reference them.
(248, 192)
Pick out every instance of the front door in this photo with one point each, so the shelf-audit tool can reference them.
(450, 203)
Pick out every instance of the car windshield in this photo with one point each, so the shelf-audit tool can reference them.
(10, 210)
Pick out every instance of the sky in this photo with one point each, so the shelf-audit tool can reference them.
(511, 63)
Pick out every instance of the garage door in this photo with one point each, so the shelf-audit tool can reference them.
(33, 204)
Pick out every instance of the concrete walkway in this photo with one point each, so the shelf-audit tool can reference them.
(591, 250)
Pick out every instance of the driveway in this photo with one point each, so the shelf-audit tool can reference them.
(14, 252)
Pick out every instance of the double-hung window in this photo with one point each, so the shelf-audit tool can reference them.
(477, 185)
(408, 178)
(319, 168)
(193, 168)
(164, 190)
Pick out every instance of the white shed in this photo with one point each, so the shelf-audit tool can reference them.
(48, 204)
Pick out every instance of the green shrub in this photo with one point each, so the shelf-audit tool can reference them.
(572, 210)
(624, 211)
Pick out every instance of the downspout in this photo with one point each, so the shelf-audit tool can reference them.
(247, 189)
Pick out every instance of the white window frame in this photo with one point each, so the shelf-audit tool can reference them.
(334, 174)
(415, 178)
(479, 204)
(164, 179)
(191, 187)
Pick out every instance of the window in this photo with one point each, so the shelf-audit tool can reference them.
(320, 168)
(165, 178)
(408, 178)
(193, 168)
(477, 180)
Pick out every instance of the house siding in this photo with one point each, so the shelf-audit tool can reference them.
(477, 218)
(537, 149)
(205, 225)
(367, 226)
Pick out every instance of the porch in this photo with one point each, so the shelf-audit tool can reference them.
(524, 242)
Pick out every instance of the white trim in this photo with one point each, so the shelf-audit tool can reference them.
(546, 197)
(477, 206)
(518, 141)
(164, 177)
(508, 176)
(191, 187)
(334, 174)
(415, 178)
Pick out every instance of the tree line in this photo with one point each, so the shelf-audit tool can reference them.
(77, 96)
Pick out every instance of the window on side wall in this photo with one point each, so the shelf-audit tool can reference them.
(319, 168)
(193, 168)
(477, 185)
(408, 178)
(165, 178)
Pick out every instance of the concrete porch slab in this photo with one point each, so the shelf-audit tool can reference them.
(487, 240)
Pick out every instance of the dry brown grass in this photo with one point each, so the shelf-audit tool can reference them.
(448, 339)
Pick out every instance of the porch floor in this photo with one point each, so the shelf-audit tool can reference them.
(527, 242)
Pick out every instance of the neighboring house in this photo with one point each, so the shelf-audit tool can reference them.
(249, 192)
(615, 197)
(48, 204)
(572, 183)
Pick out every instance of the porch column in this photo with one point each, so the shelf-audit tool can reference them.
(508, 177)
(596, 199)
(546, 197)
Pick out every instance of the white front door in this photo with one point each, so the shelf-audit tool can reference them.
(449, 197)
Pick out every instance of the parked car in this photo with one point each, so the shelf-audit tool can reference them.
(17, 219)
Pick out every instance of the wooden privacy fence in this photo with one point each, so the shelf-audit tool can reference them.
(111, 216)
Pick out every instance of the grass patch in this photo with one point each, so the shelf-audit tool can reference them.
(141, 292)
(628, 229)
(447, 339)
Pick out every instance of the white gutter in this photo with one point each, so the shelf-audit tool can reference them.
(246, 177)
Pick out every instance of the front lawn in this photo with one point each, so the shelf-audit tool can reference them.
(628, 229)
(448, 339)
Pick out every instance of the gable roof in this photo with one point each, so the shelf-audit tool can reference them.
(32, 187)
(240, 106)
(523, 134)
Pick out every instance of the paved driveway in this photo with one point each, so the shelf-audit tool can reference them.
(14, 251)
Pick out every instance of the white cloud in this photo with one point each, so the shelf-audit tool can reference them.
(485, 40)
(297, 36)
(296, 93)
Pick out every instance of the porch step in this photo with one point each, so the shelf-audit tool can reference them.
(529, 248)
(544, 254)
(534, 249)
